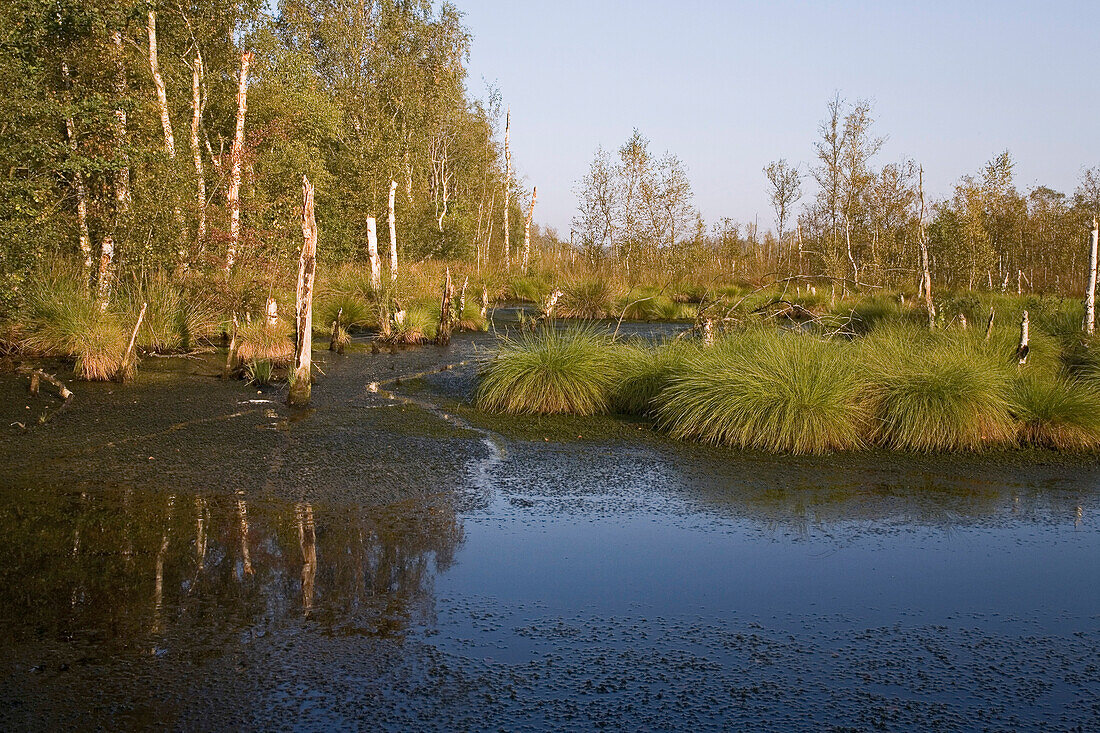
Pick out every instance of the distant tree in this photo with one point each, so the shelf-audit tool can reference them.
(784, 190)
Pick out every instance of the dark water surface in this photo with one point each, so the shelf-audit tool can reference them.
(187, 553)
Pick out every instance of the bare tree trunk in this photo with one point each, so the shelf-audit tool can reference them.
(85, 237)
(527, 229)
(166, 124)
(372, 254)
(460, 307)
(989, 324)
(125, 367)
(233, 192)
(848, 243)
(300, 382)
(443, 336)
(926, 270)
(122, 179)
(484, 301)
(507, 188)
(1090, 293)
(197, 105)
(231, 354)
(1023, 348)
(393, 234)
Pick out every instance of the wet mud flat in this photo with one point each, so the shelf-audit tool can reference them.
(187, 553)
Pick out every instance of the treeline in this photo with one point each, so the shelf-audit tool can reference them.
(862, 225)
(143, 136)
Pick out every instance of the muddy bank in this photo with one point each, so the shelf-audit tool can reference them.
(178, 555)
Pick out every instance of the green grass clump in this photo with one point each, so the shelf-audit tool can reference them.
(62, 318)
(864, 316)
(174, 319)
(258, 342)
(419, 326)
(1057, 412)
(646, 373)
(932, 392)
(650, 307)
(768, 391)
(527, 289)
(550, 371)
(357, 313)
(589, 299)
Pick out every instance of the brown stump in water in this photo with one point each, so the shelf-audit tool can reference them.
(303, 321)
(443, 335)
(335, 342)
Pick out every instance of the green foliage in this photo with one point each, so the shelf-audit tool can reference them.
(550, 371)
(769, 391)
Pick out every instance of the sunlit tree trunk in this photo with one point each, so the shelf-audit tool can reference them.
(197, 104)
(81, 193)
(1090, 292)
(307, 262)
(393, 233)
(122, 179)
(507, 187)
(527, 229)
(372, 255)
(200, 532)
(926, 271)
(233, 192)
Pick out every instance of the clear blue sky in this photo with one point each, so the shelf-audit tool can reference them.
(730, 86)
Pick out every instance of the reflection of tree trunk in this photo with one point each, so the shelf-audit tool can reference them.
(242, 524)
(158, 587)
(307, 539)
(200, 532)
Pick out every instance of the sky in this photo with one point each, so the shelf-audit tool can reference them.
(730, 86)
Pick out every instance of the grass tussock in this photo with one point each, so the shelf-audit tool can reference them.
(418, 326)
(174, 319)
(257, 342)
(1057, 412)
(931, 392)
(61, 318)
(588, 299)
(645, 373)
(549, 371)
(768, 391)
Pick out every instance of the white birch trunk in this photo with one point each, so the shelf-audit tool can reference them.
(166, 125)
(1090, 293)
(527, 229)
(81, 192)
(926, 271)
(307, 262)
(372, 253)
(393, 233)
(200, 175)
(233, 192)
(507, 187)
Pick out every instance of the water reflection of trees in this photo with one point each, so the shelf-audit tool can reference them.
(129, 568)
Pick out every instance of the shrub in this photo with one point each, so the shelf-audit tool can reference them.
(551, 371)
(765, 390)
